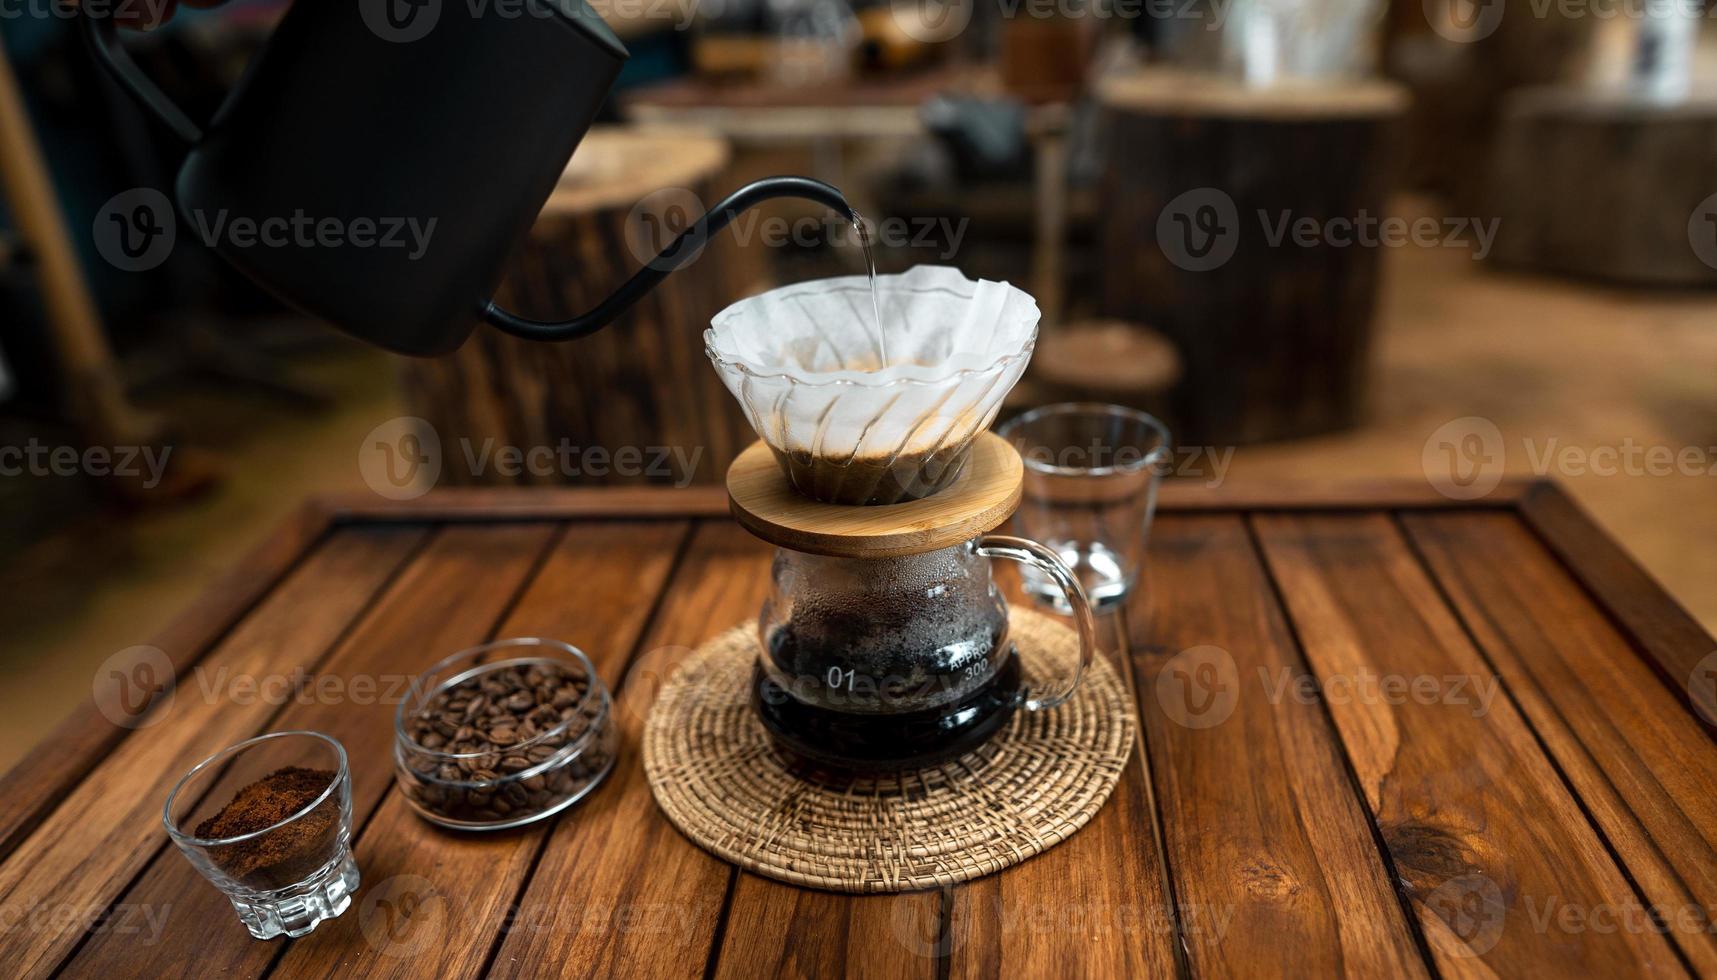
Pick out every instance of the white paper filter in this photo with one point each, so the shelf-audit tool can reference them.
(858, 419)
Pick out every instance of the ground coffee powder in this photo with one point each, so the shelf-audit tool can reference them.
(285, 856)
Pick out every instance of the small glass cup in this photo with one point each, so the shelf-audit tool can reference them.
(1091, 475)
(289, 876)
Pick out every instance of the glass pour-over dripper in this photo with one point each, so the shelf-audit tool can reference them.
(859, 411)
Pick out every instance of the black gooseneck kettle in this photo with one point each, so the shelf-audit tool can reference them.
(361, 116)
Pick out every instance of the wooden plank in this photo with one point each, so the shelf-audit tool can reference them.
(78, 860)
(618, 891)
(1274, 859)
(434, 903)
(1096, 904)
(44, 776)
(1638, 758)
(779, 930)
(489, 505)
(1676, 642)
(1484, 835)
(449, 598)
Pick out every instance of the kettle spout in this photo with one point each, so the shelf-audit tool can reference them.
(678, 253)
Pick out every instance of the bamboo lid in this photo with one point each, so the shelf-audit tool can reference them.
(983, 497)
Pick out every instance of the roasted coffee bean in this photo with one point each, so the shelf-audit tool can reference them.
(499, 725)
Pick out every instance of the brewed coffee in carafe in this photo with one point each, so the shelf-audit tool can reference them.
(884, 660)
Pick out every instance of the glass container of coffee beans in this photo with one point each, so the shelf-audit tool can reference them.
(504, 734)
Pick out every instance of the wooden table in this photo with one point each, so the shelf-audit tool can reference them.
(1267, 829)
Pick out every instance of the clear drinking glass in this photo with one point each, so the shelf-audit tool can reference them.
(1091, 475)
(286, 877)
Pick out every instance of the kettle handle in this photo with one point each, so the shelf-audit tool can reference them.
(1084, 620)
(679, 252)
(103, 36)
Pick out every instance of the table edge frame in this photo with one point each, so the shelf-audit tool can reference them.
(1664, 631)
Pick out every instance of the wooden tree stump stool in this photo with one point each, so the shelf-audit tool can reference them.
(1608, 185)
(642, 385)
(1105, 361)
(1205, 182)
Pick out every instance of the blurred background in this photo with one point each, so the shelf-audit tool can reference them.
(1433, 240)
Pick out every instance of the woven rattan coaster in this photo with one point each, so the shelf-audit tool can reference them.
(721, 781)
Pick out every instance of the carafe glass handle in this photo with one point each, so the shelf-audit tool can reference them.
(1084, 620)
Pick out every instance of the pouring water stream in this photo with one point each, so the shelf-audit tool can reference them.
(879, 340)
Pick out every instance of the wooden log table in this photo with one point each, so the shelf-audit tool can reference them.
(1199, 175)
(1385, 734)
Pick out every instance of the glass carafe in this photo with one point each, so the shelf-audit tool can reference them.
(877, 663)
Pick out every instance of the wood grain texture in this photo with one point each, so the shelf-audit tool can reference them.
(449, 598)
(1638, 758)
(491, 505)
(1274, 859)
(1274, 330)
(642, 388)
(979, 500)
(1634, 228)
(1506, 820)
(61, 761)
(1492, 849)
(435, 903)
(778, 930)
(1094, 905)
(1673, 639)
(108, 827)
(617, 890)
